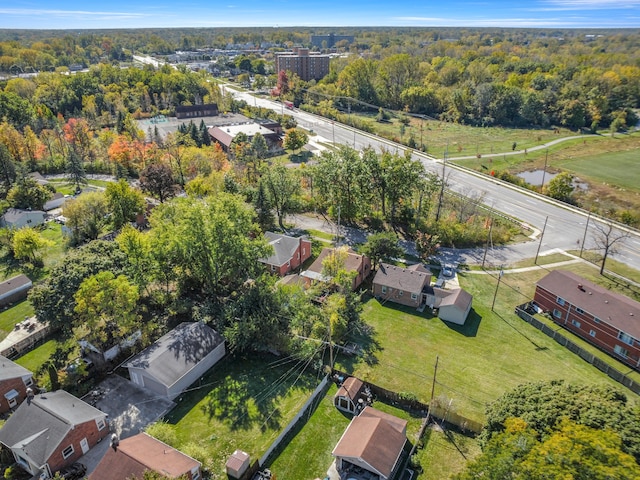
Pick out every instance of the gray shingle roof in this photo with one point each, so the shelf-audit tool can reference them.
(13, 214)
(406, 279)
(458, 297)
(9, 369)
(176, 353)
(14, 283)
(41, 426)
(284, 248)
(617, 310)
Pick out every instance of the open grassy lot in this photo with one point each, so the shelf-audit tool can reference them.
(462, 140)
(616, 168)
(242, 403)
(13, 315)
(491, 353)
(34, 359)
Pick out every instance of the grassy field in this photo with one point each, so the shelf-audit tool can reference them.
(491, 353)
(36, 357)
(463, 140)
(243, 403)
(616, 168)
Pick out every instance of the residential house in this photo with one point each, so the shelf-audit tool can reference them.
(51, 431)
(16, 218)
(14, 381)
(608, 320)
(225, 135)
(131, 457)
(406, 286)
(14, 289)
(56, 201)
(452, 305)
(373, 443)
(177, 360)
(347, 396)
(354, 262)
(289, 252)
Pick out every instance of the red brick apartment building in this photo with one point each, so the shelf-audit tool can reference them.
(308, 66)
(605, 319)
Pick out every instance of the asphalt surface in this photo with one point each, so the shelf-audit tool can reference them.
(564, 228)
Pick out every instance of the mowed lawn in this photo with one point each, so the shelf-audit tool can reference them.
(308, 454)
(615, 168)
(241, 404)
(492, 353)
(13, 315)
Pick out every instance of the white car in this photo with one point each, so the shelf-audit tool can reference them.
(447, 271)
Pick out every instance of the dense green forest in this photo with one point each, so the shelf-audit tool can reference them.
(575, 78)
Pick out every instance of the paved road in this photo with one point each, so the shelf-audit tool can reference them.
(565, 227)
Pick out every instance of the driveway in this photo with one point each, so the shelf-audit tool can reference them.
(130, 409)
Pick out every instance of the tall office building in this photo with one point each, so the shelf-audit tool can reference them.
(307, 65)
(329, 41)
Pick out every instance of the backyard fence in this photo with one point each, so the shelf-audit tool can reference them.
(27, 343)
(300, 417)
(578, 350)
(438, 411)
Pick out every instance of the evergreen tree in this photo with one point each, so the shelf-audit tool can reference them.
(75, 170)
(263, 208)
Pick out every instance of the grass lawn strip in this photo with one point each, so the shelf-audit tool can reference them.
(13, 315)
(242, 404)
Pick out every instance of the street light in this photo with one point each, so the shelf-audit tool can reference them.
(495, 294)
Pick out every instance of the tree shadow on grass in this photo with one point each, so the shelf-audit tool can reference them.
(250, 396)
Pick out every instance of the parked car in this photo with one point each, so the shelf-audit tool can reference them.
(74, 471)
(447, 271)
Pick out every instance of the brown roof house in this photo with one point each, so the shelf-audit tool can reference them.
(14, 381)
(226, 134)
(14, 289)
(177, 359)
(288, 252)
(453, 305)
(354, 262)
(372, 443)
(131, 457)
(51, 431)
(603, 318)
(406, 286)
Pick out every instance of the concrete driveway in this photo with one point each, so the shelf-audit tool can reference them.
(130, 409)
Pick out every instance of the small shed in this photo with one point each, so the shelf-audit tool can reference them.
(238, 463)
(14, 289)
(347, 396)
(455, 306)
(177, 359)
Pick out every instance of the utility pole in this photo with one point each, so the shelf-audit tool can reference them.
(487, 244)
(541, 236)
(495, 294)
(433, 387)
(338, 228)
(584, 239)
(440, 198)
(544, 170)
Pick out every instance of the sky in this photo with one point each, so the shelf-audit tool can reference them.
(87, 14)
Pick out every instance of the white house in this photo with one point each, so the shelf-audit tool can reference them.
(177, 359)
(16, 218)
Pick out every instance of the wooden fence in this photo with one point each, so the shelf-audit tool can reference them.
(300, 418)
(438, 411)
(578, 350)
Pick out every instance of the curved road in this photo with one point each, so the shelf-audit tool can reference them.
(565, 226)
